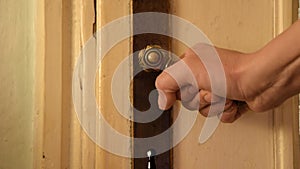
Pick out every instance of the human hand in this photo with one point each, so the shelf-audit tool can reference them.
(202, 100)
(188, 91)
(259, 81)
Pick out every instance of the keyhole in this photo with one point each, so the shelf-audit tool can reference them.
(151, 160)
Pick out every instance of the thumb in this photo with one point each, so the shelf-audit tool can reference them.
(171, 80)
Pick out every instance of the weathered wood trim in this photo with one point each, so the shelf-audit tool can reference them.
(286, 117)
(53, 84)
(105, 15)
(39, 84)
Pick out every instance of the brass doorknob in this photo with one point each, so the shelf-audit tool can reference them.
(153, 57)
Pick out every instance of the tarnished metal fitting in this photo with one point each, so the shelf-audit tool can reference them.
(153, 57)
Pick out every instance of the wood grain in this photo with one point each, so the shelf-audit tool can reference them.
(107, 12)
(144, 83)
(53, 85)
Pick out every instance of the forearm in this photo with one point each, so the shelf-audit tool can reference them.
(282, 58)
(263, 80)
(285, 48)
(272, 74)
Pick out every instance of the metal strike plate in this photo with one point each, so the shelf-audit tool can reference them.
(153, 57)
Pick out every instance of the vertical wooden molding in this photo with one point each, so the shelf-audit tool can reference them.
(82, 148)
(286, 117)
(63, 27)
(296, 134)
(296, 114)
(66, 82)
(75, 128)
(105, 159)
(87, 15)
(53, 84)
(39, 84)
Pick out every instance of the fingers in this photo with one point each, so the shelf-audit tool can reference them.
(232, 111)
(187, 93)
(193, 99)
(205, 111)
(175, 77)
(184, 79)
(187, 71)
(229, 115)
(242, 107)
(171, 80)
(165, 99)
(204, 101)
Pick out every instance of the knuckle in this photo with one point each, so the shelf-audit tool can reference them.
(203, 113)
(161, 82)
(227, 119)
(257, 107)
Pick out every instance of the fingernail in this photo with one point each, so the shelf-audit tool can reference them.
(161, 105)
(162, 101)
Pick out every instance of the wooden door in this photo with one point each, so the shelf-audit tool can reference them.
(265, 140)
(257, 140)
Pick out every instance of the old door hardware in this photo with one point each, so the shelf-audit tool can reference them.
(153, 57)
(151, 160)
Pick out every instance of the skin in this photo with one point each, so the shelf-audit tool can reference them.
(258, 81)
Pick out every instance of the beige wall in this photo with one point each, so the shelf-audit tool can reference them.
(16, 83)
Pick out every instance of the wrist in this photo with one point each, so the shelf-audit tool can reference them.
(242, 78)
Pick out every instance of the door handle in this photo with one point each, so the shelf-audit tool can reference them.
(153, 57)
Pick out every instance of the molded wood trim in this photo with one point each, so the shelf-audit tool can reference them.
(286, 117)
